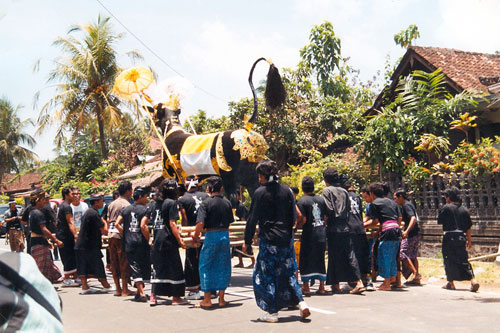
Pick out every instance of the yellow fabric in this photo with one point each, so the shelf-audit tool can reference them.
(198, 143)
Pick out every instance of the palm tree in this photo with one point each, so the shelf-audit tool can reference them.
(11, 138)
(85, 82)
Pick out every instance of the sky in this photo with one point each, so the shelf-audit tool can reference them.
(214, 43)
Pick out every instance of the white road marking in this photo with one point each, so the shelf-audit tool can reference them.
(310, 308)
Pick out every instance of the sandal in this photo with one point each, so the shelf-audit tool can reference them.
(474, 287)
(448, 286)
(357, 291)
(204, 307)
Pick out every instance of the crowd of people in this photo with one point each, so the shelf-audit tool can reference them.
(365, 236)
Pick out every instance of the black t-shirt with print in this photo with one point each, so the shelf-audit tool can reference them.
(14, 224)
(191, 202)
(313, 209)
(89, 235)
(132, 235)
(161, 214)
(408, 211)
(63, 233)
(215, 212)
(355, 222)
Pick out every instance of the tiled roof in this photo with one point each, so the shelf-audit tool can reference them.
(464, 68)
(22, 183)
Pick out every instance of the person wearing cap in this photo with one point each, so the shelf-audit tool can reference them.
(215, 215)
(189, 204)
(135, 233)
(40, 248)
(313, 239)
(273, 210)
(88, 246)
(168, 275)
(14, 228)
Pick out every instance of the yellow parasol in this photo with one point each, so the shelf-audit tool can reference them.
(133, 81)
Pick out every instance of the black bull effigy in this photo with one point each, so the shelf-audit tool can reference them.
(233, 155)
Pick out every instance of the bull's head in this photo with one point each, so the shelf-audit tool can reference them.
(164, 117)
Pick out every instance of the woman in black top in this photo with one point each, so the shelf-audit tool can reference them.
(274, 281)
(168, 275)
(215, 215)
(457, 224)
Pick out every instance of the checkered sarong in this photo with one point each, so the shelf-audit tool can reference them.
(43, 259)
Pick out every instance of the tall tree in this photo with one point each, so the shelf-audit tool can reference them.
(85, 81)
(11, 139)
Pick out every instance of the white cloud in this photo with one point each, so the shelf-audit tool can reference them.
(471, 25)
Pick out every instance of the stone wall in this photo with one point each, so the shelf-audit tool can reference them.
(479, 194)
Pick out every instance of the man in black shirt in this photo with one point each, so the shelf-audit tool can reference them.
(66, 232)
(189, 204)
(457, 224)
(134, 228)
(215, 215)
(313, 239)
(385, 214)
(343, 264)
(14, 228)
(410, 238)
(88, 245)
(40, 248)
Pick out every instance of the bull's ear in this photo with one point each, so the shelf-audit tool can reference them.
(149, 108)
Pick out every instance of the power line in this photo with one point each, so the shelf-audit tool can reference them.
(158, 56)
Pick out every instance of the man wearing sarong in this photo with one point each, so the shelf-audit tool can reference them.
(168, 275)
(134, 229)
(385, 214)
(14, 228)
(358, 233)
(40, 248)
(343, 265)
(119, 263)
(274, 281)
(410, 238)
(88, 246)
(372, 236)
(457, 224)
(189, 204)
(66, 232)
(313, 239)
(215, 215)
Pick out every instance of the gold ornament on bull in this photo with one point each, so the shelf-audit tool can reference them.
(134, 81)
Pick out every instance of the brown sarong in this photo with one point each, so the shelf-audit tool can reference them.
(43, 259)
(16, 240)
(119, 263)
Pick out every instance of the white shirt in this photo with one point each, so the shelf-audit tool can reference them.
(78, 213)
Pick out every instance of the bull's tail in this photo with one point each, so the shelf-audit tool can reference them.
(275, 94)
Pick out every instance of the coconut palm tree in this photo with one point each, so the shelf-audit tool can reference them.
(11, 139)
(85, 78)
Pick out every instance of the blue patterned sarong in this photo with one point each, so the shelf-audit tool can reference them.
(387, 258)
(274, 282)
(215, 262)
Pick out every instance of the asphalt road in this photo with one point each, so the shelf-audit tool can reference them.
(416, 309)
